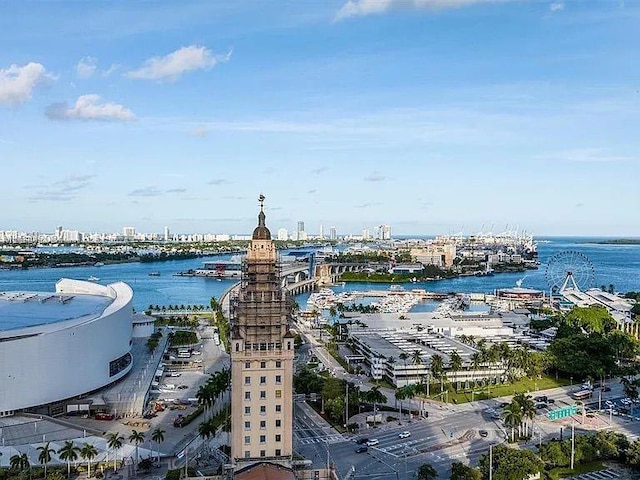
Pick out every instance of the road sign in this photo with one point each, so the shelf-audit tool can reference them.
(563, 412)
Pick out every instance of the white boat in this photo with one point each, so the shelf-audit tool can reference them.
(93, 279)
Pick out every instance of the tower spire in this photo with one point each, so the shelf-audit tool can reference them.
(261, 232)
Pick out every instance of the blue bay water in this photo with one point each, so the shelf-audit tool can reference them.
(613, 264)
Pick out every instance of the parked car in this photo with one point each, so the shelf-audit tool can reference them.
(372, 442)
(361, 449)
(362, 440)
(483, 433)
(404, 434)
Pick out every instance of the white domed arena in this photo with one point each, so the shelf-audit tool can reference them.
(60, 345)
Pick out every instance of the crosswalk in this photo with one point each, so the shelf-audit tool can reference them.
(605, 474)
(335, 438)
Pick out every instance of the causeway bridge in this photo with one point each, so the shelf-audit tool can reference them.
(300, 277)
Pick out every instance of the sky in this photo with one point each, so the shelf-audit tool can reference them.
(432, 116)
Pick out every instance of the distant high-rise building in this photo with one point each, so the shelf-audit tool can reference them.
(128, 232)
(262, 350)
(321, 235)
(283, 234)
(333, 233)
(365, 234)
(300, 231)
(59, 233)
(167, 234)
(383, 232)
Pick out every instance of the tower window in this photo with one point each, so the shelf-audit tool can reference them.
(263, 380)
(263, 438)
(247, 364)
(278, 379)
(263, 394)
(247, 410)
(278, 393)
(278, 437)
(278, 452)
(247, 380)
(278, 423)
(278, 364)
(247, 395)
(278, 408)
(247, 439)
(263, 364)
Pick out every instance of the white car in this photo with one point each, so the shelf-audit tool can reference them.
(404, 434)
(372, 442)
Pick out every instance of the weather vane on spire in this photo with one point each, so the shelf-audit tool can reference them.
(261, 200)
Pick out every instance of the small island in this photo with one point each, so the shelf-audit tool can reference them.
(619, 241)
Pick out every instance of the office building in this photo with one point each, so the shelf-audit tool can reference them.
(283, 234)
(128, 233)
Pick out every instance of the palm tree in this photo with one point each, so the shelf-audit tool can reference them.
(44, 457)
(206, 429)
(527, 406)
(88, 452)
(416, 358)
(158, 436)
(455, 364)
(19, 462)
(115, 442)
(137, 438)
(476, 361)
(375, 396)
(437, 367)
(512, 415)
(403, 356)
(69, 452)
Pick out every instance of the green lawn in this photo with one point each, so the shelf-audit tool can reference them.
(566, 472)
(483, 393)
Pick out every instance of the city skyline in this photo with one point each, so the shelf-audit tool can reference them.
(432, 117)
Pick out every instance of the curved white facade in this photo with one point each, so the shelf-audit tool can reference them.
(55, 346)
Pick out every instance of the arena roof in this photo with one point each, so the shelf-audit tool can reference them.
(29, 309)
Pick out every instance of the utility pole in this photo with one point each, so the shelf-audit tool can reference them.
(346, 406)
(490, 462)
(573, 443)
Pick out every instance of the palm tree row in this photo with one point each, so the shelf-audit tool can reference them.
(208, 393)
(195, 308)
(68, 453)
(517, 412)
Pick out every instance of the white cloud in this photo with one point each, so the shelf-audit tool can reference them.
(87, 107)
(588, 155)
(354, 8)
(17, 82)
(376, 177)
(171, 66)
(556, 6)
(86, 67)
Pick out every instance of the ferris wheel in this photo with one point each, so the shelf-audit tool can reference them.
(570, 270)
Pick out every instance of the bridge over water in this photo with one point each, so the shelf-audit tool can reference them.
(300, 277)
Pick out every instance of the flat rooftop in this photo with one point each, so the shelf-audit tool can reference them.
(29, 309)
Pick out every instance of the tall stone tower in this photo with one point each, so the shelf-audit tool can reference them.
(262, 349)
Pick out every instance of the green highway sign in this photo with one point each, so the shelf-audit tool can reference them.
(563, 412)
